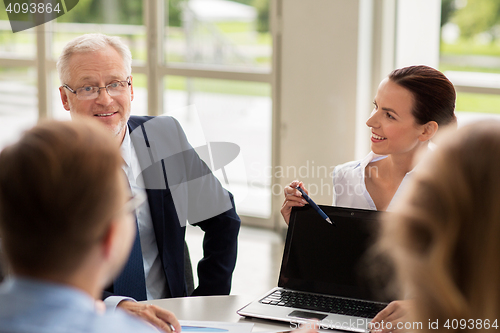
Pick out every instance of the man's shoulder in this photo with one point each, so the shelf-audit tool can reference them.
(153, 121)
(52, 325)
(56, 319)
(138, 120)
(158, 129)
(135, 121)
(31, 306)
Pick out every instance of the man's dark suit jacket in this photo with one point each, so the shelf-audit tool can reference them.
(221, 231)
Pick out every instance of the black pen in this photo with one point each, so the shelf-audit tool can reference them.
(313, 205)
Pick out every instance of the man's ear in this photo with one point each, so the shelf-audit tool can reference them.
(64, 98)
(109, 238)
(429, 130)
(131, 88)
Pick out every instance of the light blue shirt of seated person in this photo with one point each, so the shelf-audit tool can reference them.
(28, 306)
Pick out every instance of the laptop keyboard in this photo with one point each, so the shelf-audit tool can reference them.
(321, 303)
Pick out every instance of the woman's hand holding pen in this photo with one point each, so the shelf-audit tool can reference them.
(293, 198)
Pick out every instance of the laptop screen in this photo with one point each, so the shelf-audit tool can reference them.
(326, 259)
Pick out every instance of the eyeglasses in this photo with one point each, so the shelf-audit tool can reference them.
(113, 89)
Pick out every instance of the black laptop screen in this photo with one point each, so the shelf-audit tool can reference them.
(326, 259)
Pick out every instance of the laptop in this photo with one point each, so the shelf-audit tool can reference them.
(325, 273)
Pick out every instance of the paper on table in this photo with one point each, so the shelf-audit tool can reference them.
(194, 326)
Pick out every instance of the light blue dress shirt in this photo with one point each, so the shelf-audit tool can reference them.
(28, 305)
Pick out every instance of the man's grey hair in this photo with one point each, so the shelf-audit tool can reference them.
(91, 43)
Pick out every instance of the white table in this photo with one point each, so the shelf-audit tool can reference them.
(217, 308)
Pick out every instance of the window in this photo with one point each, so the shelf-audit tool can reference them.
(18, 102)
(470, 55)
(227, 34)
(18, 90)
(218, 81)
(229, 111)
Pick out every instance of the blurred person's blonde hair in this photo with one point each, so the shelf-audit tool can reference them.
(444, 237)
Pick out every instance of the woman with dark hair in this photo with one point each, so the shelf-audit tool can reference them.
(411, 104)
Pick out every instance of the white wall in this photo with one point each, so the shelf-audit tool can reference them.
(318, 90)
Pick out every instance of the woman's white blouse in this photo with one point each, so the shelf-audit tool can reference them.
(349, 188)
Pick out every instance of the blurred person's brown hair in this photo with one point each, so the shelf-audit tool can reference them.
(57, 195)
(444, 237)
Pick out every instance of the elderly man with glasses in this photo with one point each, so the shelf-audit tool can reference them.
(95, 73)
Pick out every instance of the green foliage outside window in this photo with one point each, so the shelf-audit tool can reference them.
(130, 12)
(447, 9)
(477, 49)
(478, 16)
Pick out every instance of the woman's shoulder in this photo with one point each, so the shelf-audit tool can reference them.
(346, 171)
(348, 166)
(341, 170)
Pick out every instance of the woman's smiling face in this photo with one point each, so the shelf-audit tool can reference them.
(393, 126)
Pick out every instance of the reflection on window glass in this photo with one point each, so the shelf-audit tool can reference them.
(229, 113)
(231, 33)
(110, 17)
(18, 102)
(21, 44)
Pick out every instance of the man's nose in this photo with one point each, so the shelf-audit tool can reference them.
(103, 97)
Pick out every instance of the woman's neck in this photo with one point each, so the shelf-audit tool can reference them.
(401, 164)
